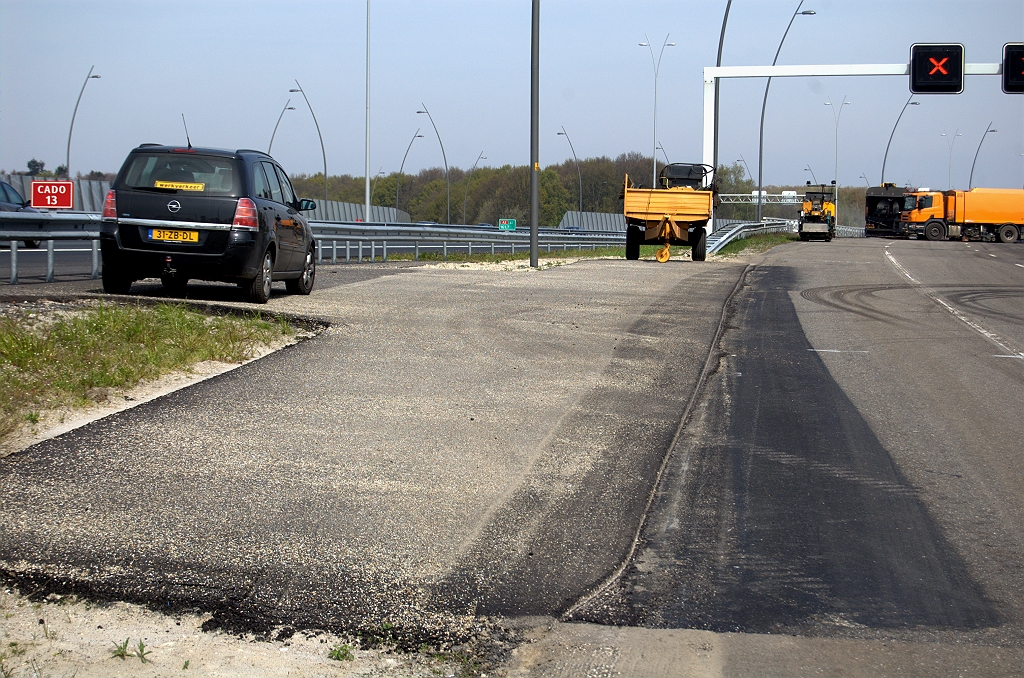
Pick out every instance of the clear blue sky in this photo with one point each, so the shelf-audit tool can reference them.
(228, 65)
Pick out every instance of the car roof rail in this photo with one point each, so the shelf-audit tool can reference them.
(148, 145)
(252, 150)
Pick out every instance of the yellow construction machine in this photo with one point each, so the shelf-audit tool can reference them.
(675, 213)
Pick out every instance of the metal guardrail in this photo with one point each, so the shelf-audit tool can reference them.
(724, 236)
(349, 237)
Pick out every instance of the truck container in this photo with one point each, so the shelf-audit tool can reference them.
(883, 206)
(675, 213)
(986, 214)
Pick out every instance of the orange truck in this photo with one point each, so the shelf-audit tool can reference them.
(675, 213)
(987, 214)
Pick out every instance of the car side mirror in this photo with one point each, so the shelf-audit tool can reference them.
(920, 203)
(307, 205)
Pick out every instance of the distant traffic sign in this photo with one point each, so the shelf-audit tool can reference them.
(1013, 68)
(506, 224)
(53, 195)
(937, 69)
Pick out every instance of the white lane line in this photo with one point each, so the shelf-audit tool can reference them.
(1021, 265)
(1018, 357)
(991, 336)
(993, 256)
(833, 350)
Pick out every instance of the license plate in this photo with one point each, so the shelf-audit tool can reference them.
(173, 236)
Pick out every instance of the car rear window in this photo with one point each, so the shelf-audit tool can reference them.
(183, 173)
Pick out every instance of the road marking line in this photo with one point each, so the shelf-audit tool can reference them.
(991, 336)
(1021, 265)
(1018, 357)
(992, 255)
(832, 350)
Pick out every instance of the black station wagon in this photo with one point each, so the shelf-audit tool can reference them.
(206, 214)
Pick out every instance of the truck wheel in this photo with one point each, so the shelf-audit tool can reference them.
(699, 251)
(935, 230)
(1008, 233)
(633, 238)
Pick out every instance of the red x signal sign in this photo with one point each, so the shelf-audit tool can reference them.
(937, 69)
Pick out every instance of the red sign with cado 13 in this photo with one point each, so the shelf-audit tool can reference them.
(53, 195)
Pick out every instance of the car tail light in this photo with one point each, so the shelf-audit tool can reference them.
(110, 205)
(245, 214)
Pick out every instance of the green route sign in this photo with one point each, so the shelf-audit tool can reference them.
(506, 224)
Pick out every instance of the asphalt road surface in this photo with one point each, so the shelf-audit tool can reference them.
(853, 469)
(844, 496)
(457, 442)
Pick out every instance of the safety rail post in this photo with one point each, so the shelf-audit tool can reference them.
(334, 251)
(319, 251)
(49, 261)
(14, 262)
(348, 252)
(373, 250)
(360, 251)
(384, 251)
(416, 251)
(95, 259)
(469, 249)
(444, 249)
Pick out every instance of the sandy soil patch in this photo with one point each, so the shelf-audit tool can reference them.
(69, 637)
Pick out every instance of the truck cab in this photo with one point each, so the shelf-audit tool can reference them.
(924, 214)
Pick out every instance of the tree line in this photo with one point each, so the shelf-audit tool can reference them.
(492, 193)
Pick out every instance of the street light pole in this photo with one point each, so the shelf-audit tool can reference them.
(416, 135)
(661, 148)
(579, 175)
(866, 182)
(367, 192)
(949, 142)
(886, 157)
(657, 67)
(987, 130)
(67, 158)
(746, 166)
(535, 134)
(465, 198)
(443, 157)
(721, 42)
(764, 103)
(837, 116)
(322, 149)
(808, 169)
(286, 108)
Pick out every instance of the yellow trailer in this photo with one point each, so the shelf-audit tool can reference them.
(676, 213)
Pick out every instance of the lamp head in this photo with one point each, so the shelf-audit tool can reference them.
(915, 103)
(808, 12)
(295, 90)
(645, 44)
(290, 108)
(420, 112)
(93, 76)
(670, 44)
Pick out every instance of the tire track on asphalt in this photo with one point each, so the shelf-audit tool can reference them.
(994, 338)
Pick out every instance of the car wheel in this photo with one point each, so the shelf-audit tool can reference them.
(699, 250)
(258, 289)
(934, 231)
(1008, 233)
(174, 284)
(304, 284)
(115, 282)
(633, 238)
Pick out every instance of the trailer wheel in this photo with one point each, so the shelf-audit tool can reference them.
(935, 230)
(699, 251)
(633, 238)
(1008, 233)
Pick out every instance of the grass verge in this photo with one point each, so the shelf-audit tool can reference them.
(52, 359)
(756, 244)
